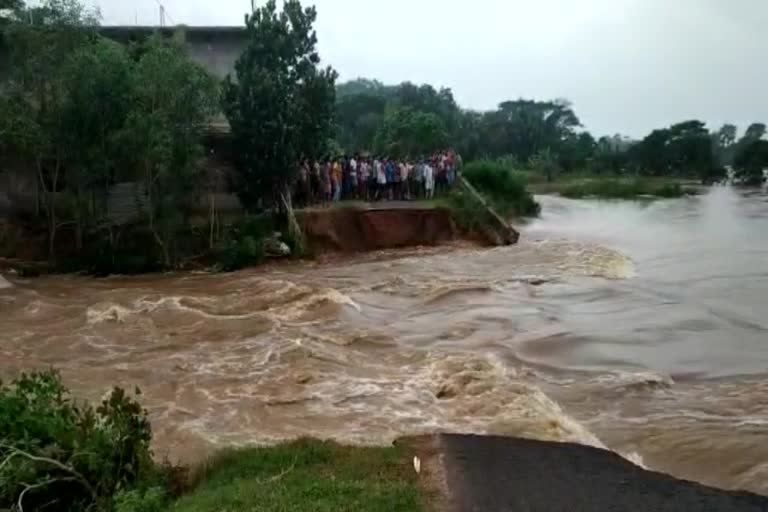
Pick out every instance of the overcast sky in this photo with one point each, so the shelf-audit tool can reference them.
(628, 66)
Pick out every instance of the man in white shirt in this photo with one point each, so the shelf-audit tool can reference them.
(429, 180)
(353, 178)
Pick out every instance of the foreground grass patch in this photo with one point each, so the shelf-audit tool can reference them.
(306, 475)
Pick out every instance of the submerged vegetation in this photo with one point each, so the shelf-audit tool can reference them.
(616, 188)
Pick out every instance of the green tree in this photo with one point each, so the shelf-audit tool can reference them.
(751, 161)
(649, 156)
(407, 132)
(755, 131)
(40, 46)
(689, 149)
(546, 163)
(425, 98)
(724, 141)
(358, 118)
(525, 127)
(577, 150)
(281, 104)
(361, 86)
(173, 100)
(97, 86)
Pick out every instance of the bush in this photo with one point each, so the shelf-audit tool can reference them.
(65, 455)
(469, 215)
(503, 186)
(244, 244)
(150, 500)
(240, 254)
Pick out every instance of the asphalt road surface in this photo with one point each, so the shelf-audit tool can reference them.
(497, 474)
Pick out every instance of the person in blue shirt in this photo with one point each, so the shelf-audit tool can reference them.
(389, 170)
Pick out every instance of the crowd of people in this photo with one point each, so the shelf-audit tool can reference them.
(375, 178)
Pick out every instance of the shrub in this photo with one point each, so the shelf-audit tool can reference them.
(470, 216)
(503, 186)
(244, 244)
(66, 455)
(153, 499)
(240, 254)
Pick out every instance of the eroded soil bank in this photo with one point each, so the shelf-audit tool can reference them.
(366, 229)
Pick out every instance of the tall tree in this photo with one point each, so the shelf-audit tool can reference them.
(755, 131)
(173, 100)
(751, 162)
(97, 86)
(689, 149)
(724, 140)
(526, 127)
(40, 47)
(280, 105)
(411, 133)
(358, 118)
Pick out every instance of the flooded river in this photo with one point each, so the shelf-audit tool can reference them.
(640, 327)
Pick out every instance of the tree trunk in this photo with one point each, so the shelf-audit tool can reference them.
(49, 198)
(212, 217)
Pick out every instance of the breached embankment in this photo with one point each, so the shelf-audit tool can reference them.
(365, 229)
(395, 225)
(500, 474)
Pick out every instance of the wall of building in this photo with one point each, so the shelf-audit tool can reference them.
(215, 48)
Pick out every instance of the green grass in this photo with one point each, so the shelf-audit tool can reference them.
(614, 188)
(305, 475)
(504, 187)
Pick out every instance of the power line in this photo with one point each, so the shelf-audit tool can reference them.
(164, 14)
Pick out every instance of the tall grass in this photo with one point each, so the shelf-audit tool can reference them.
(503, 186)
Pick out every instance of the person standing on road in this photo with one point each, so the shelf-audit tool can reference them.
(325, 179)
(353, 168)
(381, 179)
(429, 181)
(336, 175)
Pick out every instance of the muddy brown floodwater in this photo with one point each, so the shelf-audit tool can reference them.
(640, 327)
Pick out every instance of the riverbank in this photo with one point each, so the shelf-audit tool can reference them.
(307, 475)
(445, 472)
(603, 187)
(336, 228)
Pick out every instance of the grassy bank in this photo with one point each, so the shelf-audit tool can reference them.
(60, 454)
(614, 187)
(306, 475)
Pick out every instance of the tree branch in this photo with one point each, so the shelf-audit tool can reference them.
(34, 458)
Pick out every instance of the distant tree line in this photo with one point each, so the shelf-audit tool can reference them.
(84, 113)
(547, 135)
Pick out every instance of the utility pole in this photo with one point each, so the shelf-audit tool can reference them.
(162, 15)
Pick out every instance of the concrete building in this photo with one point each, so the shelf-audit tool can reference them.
(215, 48)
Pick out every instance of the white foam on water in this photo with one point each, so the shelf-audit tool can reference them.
(635, 380)
(4, 283)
